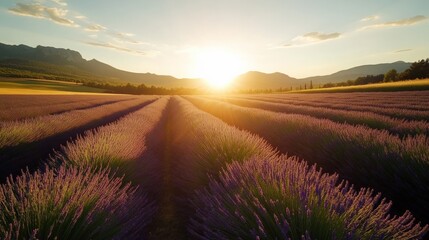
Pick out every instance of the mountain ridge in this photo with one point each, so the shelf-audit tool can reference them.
(69, 61)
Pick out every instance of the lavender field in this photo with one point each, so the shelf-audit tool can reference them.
(268, 166)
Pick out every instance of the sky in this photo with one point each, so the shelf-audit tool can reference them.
(299, 38)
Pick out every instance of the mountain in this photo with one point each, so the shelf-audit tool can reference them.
(66, 64)
(259, 80)
(360, 71)
(39, 53)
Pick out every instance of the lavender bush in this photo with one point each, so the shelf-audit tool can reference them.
(71, 203)
(283, 198)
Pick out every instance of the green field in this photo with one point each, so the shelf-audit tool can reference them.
(410, 85)
(39, 86)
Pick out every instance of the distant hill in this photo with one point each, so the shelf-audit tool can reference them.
(66, 64)
(360, 71)
(259, 80)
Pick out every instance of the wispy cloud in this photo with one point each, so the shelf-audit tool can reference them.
(80, 17)
(60, 2)
(398, 23)
(115, 47)
(58, 12)
(403, 50)
(316, 36)
(311, 38)
(370, 18)
(95, 28)
(123, 37)
(55, 14)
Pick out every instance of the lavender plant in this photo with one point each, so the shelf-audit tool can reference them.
(283, 198)
(71, 203)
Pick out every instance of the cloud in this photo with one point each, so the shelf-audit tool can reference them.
(311, 38)
(370, 18)
(403, 50)
(115, 47)
(122, 34)
(60, 2)
(57, 15)
(316, 36)
(399, 23)
(95, 28)
(57, 11)
(123, 37)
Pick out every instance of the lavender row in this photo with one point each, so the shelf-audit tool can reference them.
(410, 102)
(400, 113)
(28, 130)
(88, 201)
(206, 144)
(367, 157)
(119, 145)
(20, 113)
(372, 120)
(263, 196)
(419, 105)
(388, 96)
(15, 101)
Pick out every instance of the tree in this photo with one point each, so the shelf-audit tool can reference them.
(391, 76)
(311, 84)
(369, 79)
(417, 70)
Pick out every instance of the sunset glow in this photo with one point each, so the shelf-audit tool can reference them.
(218, 67)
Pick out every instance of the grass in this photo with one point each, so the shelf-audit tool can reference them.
(410, 85)
(40, 86)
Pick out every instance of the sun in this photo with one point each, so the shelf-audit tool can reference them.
(218, 67)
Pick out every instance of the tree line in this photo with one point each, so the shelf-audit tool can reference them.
(142, 89)
(417, 70)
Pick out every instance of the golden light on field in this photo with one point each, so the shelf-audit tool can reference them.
(218, 67)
